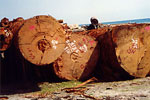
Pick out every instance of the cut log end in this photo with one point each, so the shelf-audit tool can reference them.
(79, 58)
(132, 48)
(41, 40)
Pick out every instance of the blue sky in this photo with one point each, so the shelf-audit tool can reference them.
(77, 11)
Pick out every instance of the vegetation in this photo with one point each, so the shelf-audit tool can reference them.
(48, 88)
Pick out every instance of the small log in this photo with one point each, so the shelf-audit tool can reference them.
(78, 59)
(5, 38)
(4, 23)
(15, 25)
(60, 21)
(41, 40)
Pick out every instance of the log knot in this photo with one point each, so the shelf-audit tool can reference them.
(43, 45)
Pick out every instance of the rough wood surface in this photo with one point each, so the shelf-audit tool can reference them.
(133, 48)
(78, 59)
(41, 40)
(15, 25)
(4, 22)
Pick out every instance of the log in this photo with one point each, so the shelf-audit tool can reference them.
(124, 52)
(108, 69)
(132, 48)
(15, 25)
(5, 38)
(4, 23)
(60, 21)
(8, 32)
(41, 40)
(78, 59)
(11, 63)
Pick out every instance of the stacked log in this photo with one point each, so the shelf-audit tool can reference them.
(8, 32)
(5, 38)
(41, 40)
(4, 23)
(79, 58)
(11, 62)
(110, 53)
(5, 35)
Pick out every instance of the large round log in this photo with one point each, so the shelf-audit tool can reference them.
(41, 40)
(124, 52)
(148, 74)
(78, 59)
(133, 48)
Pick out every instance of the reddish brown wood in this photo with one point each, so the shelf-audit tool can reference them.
(41, 40)
(78, 59)
(60, 21)
(15, 25)
(124, 51)
(4, 22)
(132, 48)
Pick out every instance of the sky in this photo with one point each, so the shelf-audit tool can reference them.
(77, 11)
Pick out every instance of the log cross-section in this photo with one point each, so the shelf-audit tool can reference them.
(78, 59)
(41, 40)
(133, 48)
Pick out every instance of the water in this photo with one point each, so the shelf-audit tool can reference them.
(145, 20)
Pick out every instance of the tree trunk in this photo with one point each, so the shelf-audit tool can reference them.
(78, 59)
(41, 40)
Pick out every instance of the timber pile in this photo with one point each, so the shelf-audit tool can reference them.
(11, 62)
(110, 53)
(132, 48)
(8, 32)
(15, 25)
(79, 58)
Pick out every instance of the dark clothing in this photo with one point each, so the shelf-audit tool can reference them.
(91, 26)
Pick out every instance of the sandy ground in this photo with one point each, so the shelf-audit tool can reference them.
(137, 89)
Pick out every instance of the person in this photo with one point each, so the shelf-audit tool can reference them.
(94, 24)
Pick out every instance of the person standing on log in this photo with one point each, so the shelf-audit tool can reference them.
(94, 24)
